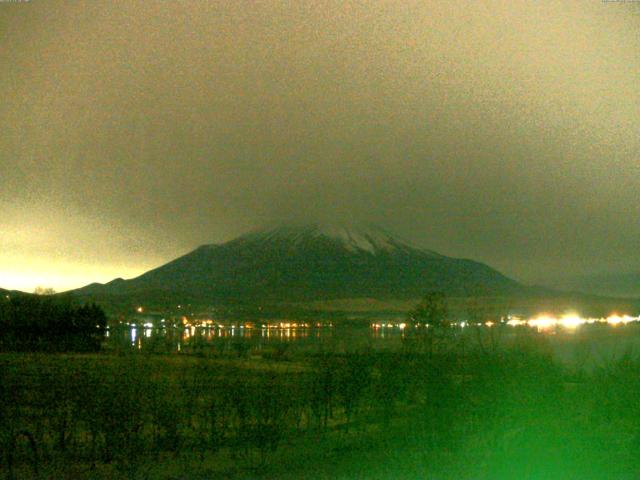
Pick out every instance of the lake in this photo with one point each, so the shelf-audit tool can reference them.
(584, 345)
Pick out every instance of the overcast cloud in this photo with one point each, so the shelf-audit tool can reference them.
(504, 131)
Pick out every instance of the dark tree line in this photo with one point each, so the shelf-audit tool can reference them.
(48, 323)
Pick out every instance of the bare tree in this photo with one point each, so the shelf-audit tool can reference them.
(44, 291)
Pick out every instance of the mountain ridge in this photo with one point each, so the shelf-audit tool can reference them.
(308, 262)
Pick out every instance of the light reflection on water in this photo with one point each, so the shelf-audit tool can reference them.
(179, 339)
(598, 342)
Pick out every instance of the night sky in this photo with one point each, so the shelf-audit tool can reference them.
(132, 132)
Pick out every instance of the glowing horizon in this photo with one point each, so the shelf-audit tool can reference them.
(26, 274)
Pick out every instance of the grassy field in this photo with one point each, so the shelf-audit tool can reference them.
(451, 412)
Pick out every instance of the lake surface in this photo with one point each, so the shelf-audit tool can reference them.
(586, 345)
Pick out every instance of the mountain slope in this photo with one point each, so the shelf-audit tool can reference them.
(4, 293)
(309, 263)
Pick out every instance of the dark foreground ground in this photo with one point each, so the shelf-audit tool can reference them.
(429, 410)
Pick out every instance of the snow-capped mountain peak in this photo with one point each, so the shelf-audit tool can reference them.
(295, 263)
(368, 238)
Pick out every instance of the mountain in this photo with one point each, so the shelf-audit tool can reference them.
(301, 263)
(4, 292)
(8, 294)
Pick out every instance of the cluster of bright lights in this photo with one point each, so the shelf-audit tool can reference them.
(542, 322)
(213, 324)
(569, 321)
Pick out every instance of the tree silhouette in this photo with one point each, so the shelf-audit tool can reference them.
(44, 291)
(47, 322)
(432, 310)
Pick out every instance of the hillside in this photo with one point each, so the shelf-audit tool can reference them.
(289, 264)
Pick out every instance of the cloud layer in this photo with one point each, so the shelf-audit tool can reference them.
(505, 131)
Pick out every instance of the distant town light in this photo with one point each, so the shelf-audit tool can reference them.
(542, 322)
(571, 321)
(139, 309)
(614, 319)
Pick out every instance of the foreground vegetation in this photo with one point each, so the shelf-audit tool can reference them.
(46, 323)
(462, 411)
